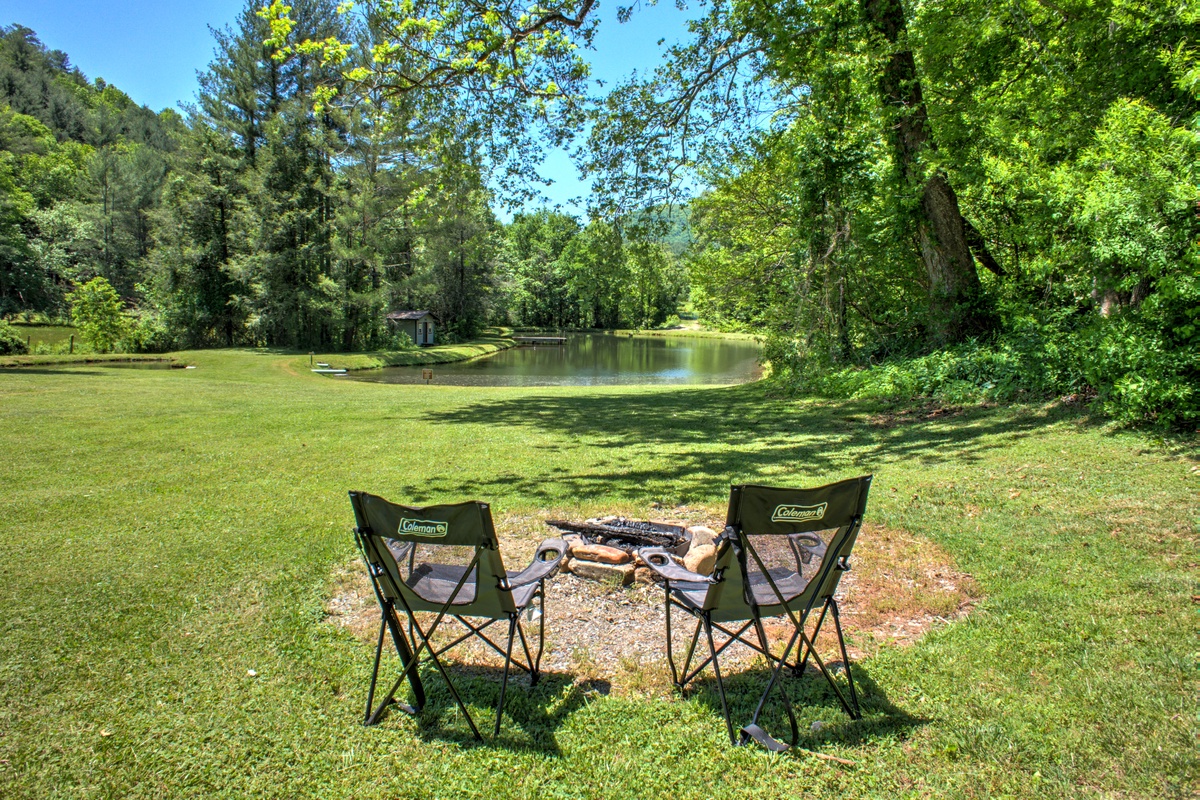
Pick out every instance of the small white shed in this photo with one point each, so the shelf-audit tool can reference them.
(419, 325)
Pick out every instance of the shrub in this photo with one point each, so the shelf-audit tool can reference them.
(147, 333)
(1135, 370)
(398, 340)
(96, 310)
(11, 341)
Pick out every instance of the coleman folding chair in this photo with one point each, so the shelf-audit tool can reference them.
(772, 561)
(445, 560)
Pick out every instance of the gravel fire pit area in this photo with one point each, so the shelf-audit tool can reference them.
(605, 623)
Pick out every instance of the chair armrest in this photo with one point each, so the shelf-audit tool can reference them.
(808, 545)
(663, 562)
(545, 561)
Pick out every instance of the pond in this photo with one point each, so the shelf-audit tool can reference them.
(595, 360)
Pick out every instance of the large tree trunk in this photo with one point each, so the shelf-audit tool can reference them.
(955, 307)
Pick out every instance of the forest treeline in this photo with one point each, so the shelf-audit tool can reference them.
(251, 218)
(959, 200)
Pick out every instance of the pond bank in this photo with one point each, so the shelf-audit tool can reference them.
(9, 362)
(438, 354)
(441, 354)
(698, 333)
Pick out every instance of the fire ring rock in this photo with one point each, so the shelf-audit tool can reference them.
(618, 574)
(701, 535)
(701, 559)
(600, 553)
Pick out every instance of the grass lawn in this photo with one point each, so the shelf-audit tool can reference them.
(164, 532)
(50, 335)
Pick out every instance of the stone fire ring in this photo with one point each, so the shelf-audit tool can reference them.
(620, 565)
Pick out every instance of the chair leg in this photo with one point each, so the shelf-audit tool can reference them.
(670, 656)
(837, 624)
(809, 648)
(712, 647)
(812, 650)
(687, 661)
(367, 717)
(512, 630)
(753, 730)
(535, 673)
(533, 676)
(407, 657)
(799, 668)
(437, 662)
(775, 673)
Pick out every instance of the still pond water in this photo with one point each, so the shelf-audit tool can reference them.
(595, 360)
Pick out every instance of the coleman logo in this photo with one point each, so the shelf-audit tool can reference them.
(798, 513)
(423, 527)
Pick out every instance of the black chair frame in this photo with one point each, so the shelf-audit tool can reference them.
(417, 642)
(735, 552)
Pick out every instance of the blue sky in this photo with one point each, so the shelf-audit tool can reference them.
(151, 50)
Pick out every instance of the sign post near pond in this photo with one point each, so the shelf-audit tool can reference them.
(427, 375)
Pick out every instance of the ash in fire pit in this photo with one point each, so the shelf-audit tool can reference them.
(606, 549)
(627, 534)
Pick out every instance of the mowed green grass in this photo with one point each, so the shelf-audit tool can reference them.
(163, 532)
(46, 334)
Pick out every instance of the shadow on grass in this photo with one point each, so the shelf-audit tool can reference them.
(699, 440)
(536, 711)
(812, 701)
(66, 369)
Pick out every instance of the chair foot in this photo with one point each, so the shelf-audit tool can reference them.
(753, 732)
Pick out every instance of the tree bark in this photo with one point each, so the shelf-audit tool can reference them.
(980, 249)
(955, 308)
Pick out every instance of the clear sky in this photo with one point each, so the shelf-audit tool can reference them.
(152, 49)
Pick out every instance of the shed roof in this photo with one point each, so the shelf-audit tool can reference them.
(397, 315)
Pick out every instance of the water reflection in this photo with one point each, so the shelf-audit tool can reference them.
(596, 360)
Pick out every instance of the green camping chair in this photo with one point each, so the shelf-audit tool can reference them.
(772, 561)
(445, 560)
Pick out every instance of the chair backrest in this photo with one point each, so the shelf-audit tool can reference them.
(422, 557)
(787, 545)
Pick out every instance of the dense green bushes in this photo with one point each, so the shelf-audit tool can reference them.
(1128, 368)
(1070, 136)
(11, 341)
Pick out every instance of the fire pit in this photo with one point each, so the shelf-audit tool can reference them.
(606, 549)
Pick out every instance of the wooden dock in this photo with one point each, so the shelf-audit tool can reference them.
(535, 340)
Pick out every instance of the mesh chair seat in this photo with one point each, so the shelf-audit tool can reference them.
(791, 584)
(436, 582)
